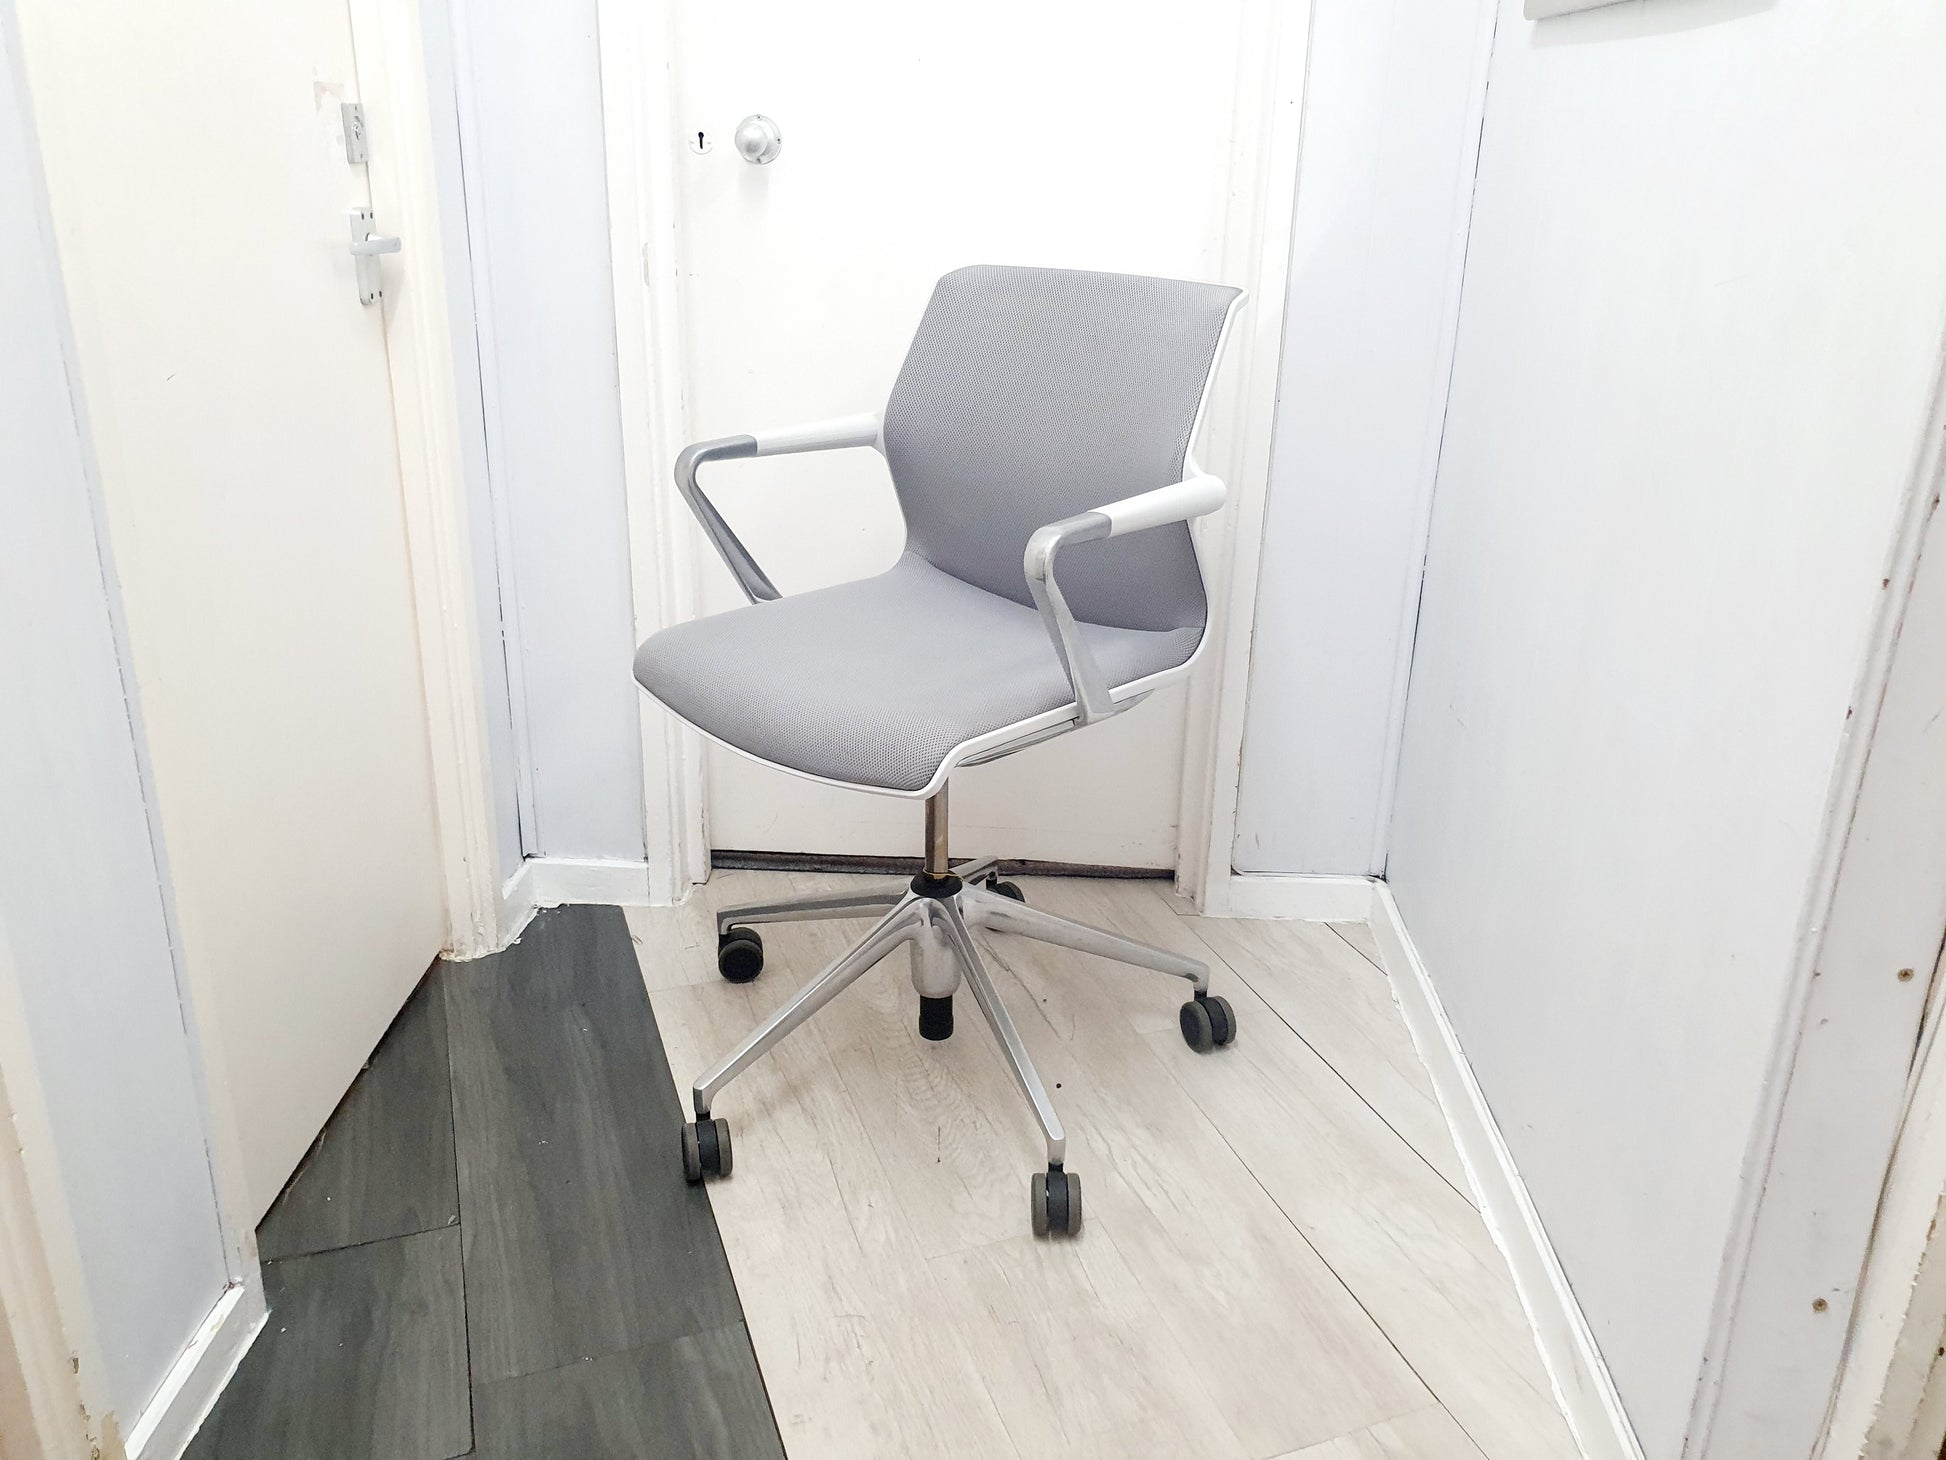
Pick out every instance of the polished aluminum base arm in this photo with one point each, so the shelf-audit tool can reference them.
(990, 910)
(1002, 1024)
(893, 929)
(861, 904)
(941, 929)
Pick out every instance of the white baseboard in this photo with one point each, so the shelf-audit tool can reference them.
(1301, 897)
(190, 1390)
(555, 881)
(517, 905)
(1581, 1380)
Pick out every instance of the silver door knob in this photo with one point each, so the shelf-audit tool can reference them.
(758, 140)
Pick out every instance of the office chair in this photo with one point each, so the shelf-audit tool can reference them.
(1038, 438)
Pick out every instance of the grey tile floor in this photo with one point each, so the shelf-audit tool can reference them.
(491, 1251)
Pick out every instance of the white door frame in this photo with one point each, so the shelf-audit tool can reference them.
(389, 45)
(46, 1312)
(43, 1307)
(640, 130)
(47, 1345)
(1266, 138)
(1891, 1398)
(1835, 1100)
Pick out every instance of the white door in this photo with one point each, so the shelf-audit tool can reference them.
(241, 413)
(918, 138)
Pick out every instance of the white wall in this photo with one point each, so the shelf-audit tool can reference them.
(1701, 318)
(1390, 127)
(529, 83)
(81, 903)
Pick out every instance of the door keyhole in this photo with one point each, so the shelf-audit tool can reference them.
(699, 143)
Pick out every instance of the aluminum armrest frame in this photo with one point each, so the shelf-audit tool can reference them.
(859, 430)
(1179, 502)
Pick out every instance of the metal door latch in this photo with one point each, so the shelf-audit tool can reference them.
(366, 246)
(352, 114)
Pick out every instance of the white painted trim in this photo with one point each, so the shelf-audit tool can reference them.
(1892, 1380)
(389, 43)
(1305, 897)
(1850, 1028)
(645, 254)
(191, 1388)
(43, 1281)
(1582, 1384)
(43, 1318)
(1273, 44)
(518, 903)
(557, 881)
(486, 337)
(560, 880)
(1407, 630)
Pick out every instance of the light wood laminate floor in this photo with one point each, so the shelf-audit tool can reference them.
(1280, 1256)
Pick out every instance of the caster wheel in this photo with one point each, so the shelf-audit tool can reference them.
(1207, 1021)
(1006, 889)
(739, 954)
(705, 1149)
(1057, 1202)
(935, 1017)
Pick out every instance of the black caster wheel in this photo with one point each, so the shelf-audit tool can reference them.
(1057, 1202)
(739, 954)
(705, 1149)
(1207, 1021)
(1006, 889)
(935, 1017)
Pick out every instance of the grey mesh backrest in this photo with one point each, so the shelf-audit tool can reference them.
(1032, 394)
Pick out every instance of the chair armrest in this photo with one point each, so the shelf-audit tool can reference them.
(1178, 502)
(860, 430)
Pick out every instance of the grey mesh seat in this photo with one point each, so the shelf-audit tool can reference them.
(871, 700)
(1039, 441)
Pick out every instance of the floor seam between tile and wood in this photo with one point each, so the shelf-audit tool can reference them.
(1280, 1260)
(517, 1097)
(459, 1218)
